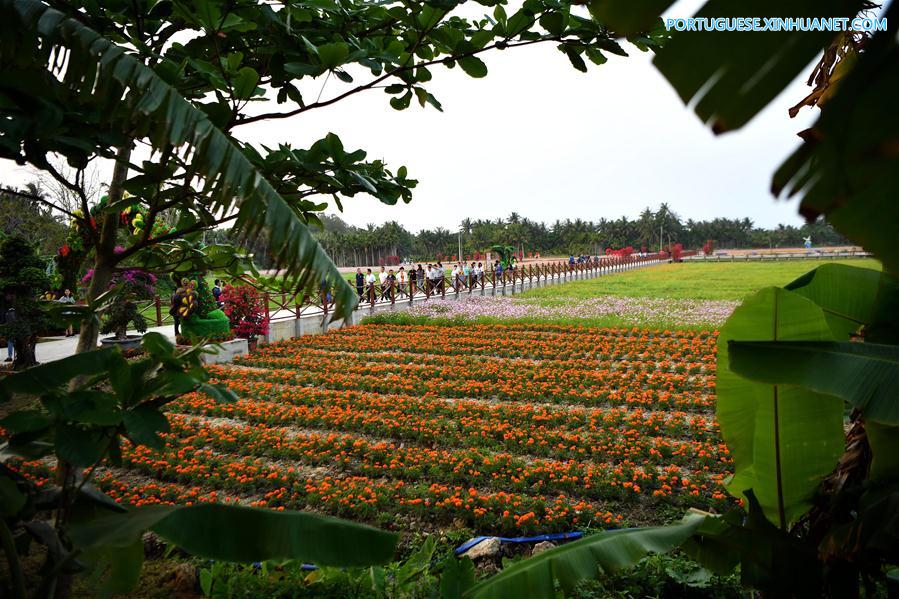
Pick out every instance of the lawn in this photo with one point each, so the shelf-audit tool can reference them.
(690, 280)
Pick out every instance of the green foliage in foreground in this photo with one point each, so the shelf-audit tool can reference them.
(818, 521)
(697, 281)
(80, 411)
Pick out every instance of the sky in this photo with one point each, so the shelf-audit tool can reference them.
(539, 138)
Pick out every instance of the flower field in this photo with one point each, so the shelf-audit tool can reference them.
(629, 311)
(499, 428)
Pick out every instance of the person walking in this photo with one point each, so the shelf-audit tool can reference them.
(217, 293)
(175, 302)
(391, 285)
(382, 277)
(413, 279)
(370, 285)
(360, 283)
(401, 280)
(68, 298)
(439, 276)
(420, 277)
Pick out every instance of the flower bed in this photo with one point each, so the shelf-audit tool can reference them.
(500, 428)
(632, 310)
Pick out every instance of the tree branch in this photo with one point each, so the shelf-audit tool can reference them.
(34, 198)
(387, 75)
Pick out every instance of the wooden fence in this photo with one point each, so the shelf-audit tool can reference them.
(290, 306)
(775, 256)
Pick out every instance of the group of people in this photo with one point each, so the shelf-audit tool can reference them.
(431, 278)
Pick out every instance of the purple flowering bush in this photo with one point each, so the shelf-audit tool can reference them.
(132, 285)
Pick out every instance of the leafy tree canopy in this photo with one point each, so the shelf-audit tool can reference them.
(89, 79)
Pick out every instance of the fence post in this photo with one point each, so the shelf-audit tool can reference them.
(158, 303)
(266, 297)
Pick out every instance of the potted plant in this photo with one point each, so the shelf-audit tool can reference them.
(133, 285)
(245, 308)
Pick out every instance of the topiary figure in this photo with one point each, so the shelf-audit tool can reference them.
(205, 319)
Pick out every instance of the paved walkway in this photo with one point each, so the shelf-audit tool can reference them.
(50, 349)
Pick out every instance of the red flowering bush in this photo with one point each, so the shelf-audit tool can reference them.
(708, 248)
(245, 308)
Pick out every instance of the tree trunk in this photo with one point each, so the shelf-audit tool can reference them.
(105, 261)
(25, 353)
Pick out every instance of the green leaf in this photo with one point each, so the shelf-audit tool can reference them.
(602, 553)
(473, 66)
(26, 421)
(334, 54)
(418, 562)
(554, 22)
(595, 56)
(245, 83)
(884, 441)
(11, 499)
(847, 294)
(143, 424)
(114, 570)
(731, 77)
(457, 577)
(864, 374)
(80, 446)
(242, 534)
(783, 440)
(576, 60)
(402, 102)
(626, 18)
(46, 378)
(846, 169)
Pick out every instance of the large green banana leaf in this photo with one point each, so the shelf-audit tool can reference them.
(585, 559)
(783, 440)
(134, 98)
(864, 374)
(243, 534)
(849, 295)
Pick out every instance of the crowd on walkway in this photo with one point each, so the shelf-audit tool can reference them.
(429, 278)
(390, 284)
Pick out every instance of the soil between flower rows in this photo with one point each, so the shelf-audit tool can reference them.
(499, 428)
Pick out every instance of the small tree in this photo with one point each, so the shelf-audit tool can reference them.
(245, 308)
(133, 286)
(23, 278)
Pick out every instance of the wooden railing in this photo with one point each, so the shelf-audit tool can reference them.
(774, 256)
(290, 306)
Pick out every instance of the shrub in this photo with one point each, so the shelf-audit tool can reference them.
(245, 308)
(133, 285)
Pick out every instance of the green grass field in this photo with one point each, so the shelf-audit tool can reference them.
(690, 280)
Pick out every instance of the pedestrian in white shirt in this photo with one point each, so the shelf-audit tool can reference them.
(370, 284)
(382, 276)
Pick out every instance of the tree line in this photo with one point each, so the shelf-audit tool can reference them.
(349, 245)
